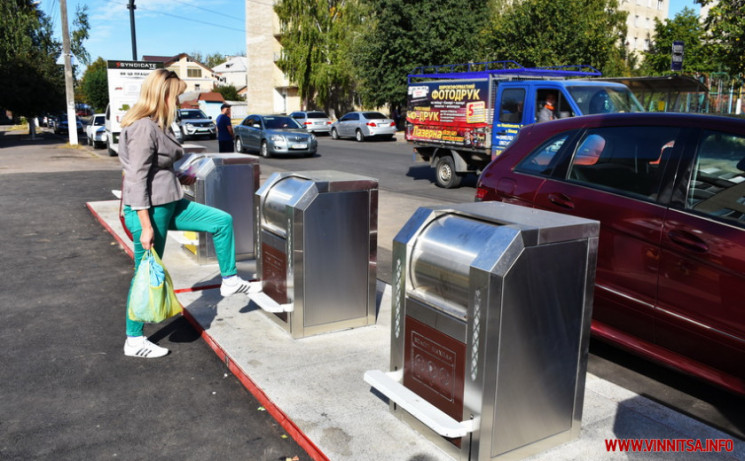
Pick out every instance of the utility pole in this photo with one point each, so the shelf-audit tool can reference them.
(72, 121)
(131, 7)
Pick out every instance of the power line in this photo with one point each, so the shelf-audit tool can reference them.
(211, 11)
(180, 17)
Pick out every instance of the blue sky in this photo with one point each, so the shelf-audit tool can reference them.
(676, 6)
(163, 27)
(168, 27)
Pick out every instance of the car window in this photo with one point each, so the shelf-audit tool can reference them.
(249, 121)
(192, 114)
(629, 160)
(296, 115)
(100, 120)
(349, 117)
(511, 108)
(277, 123)
(543, 160)
(601, 100)
(317, 115)
(374, 115)
(717, 186)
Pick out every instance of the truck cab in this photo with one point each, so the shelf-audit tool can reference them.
(523, 102)
(462, 116)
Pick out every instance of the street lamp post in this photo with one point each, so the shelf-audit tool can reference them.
(131, 7)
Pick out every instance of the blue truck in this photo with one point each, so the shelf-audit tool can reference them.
(461, 116)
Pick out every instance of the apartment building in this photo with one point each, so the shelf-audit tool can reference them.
(640, 21)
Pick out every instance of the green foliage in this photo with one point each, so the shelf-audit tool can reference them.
(31, 81)
(402, 35)
(80, 35)
(214, 59)
(559, 32)
(726, 26)
(229, 93)
(93, 87)
(684, 27)
(315, 38)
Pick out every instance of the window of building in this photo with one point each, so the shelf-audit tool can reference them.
(194, 73)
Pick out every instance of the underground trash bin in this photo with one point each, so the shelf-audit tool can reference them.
(316, 249)
(490, 322)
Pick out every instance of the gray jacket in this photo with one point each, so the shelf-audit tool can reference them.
(147, 154)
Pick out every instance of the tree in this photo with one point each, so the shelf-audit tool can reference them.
(401, 35)
(315, 38)
(31, 80)
(229, 93)
(725, 24)
(94, 87)
(684, 27)
(80, 35)
(544, 33)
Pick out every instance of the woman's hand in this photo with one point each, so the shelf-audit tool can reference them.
(147, 236)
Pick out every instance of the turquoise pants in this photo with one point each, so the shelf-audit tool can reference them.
(183, 215)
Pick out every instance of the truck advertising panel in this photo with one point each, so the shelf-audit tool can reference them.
(124, 79)
(450, 112)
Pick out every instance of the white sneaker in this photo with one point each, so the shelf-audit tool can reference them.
(235, 284)
(139, 346)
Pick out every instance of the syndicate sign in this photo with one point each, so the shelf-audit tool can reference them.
(449, 112)
(125, 79)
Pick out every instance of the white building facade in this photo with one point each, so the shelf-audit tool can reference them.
(268, 91)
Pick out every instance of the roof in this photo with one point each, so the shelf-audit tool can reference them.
(211, 96)
(673, 83)
(234, 64)
(157, 58)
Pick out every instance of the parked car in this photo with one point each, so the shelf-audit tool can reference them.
(60, 125)
(669, 192)
(95, 131)
(274, 135)
(194, 122)
(314, 121)
(362, 125)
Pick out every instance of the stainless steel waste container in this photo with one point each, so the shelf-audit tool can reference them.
(491, 307)
(228, 182)
(316, 250)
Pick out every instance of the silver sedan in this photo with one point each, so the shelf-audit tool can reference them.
(362, 125)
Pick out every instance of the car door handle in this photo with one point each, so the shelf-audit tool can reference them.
(688, 240)
(561, 200)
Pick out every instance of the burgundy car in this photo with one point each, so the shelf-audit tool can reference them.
(669, 192)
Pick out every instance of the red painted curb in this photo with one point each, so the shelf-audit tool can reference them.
(287, 424)
(111, 231)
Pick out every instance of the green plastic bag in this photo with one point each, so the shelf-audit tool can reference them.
(151, 298)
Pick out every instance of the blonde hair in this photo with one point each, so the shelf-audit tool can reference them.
(158, 99)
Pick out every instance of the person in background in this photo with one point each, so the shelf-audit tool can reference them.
(224, 130)
(153, 200)
(548, 111)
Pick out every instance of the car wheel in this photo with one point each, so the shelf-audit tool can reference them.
(334, 134)
(183, 135)
(264, 152)
(239, 145)
(445, 174)
(358, 136)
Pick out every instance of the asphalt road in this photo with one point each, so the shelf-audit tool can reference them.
(392, 163)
